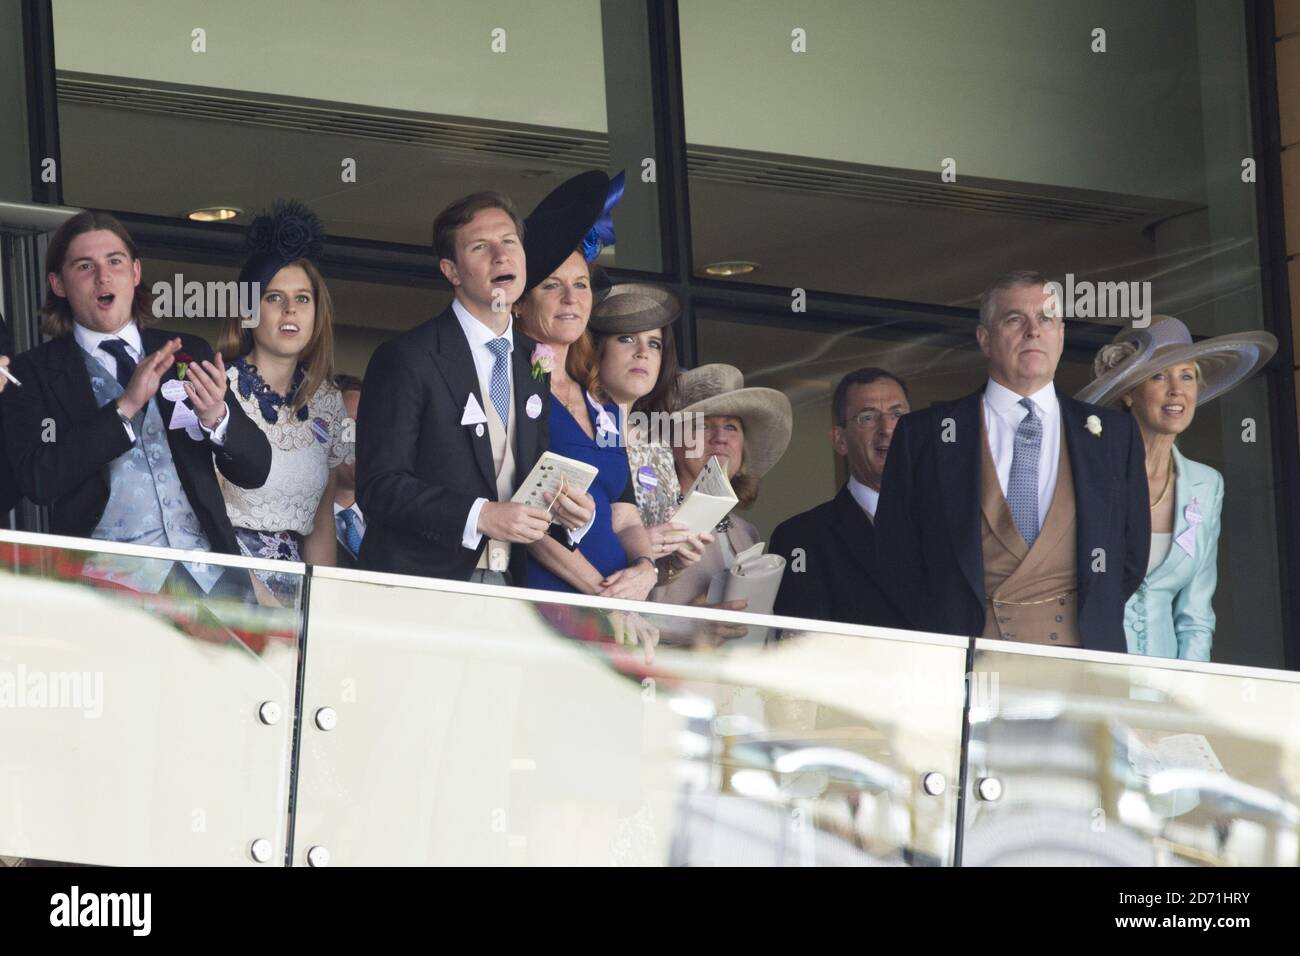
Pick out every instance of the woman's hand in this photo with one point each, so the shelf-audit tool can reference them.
(717, 630)
(631, 629)
(690, 550)
(633, 583)
(675, 538)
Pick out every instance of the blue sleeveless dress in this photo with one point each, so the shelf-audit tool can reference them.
(600, 545)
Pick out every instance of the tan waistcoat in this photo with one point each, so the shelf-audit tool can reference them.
(496, 556)
(1032, 593)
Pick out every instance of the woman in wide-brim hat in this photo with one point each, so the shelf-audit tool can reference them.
(1159, 375)
(562, 237)
(748, 430)
(636, 368)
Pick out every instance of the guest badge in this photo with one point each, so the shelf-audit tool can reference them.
(173, 390)
(533, 406)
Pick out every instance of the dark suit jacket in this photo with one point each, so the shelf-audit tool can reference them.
(419, 469)
(841, 576)
(68, 473)
(928, 525)
(9, 493)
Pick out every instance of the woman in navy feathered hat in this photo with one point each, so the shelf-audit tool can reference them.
(281, 362)
(562, 237)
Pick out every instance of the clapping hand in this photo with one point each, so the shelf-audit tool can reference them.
(205, 387)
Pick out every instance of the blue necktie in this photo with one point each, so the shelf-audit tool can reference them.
(125, 364)
(347, 520)
(500, 384)
(1022, 488)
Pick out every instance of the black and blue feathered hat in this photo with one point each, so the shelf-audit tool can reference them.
(289, 232)
(575, 215)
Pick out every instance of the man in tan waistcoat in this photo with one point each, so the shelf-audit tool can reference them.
(1017, 512)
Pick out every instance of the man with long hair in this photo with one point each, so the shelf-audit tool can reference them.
(116, 426)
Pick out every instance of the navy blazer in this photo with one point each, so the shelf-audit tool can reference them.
(841, 577)
(419, 469)
(928, 524)
(68, 472)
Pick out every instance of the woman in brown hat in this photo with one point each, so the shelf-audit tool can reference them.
(636, 368)
(748, 430)
(1160, 375)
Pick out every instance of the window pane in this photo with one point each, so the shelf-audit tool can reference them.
(826, 167)
(375, 116)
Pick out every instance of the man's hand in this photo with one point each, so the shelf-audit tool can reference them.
(4, 360)
(571, 508)
(146, 379)
(205, 387)
(516, 523)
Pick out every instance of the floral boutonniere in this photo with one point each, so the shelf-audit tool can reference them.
(1093, 424)
(543, 361)
(183, 360)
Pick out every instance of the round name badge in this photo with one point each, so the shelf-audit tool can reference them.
(533, 406)
(646, 477)
(173, 390)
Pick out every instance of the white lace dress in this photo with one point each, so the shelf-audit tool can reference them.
(271, 521)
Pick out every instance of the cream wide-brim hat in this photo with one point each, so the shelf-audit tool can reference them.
(1136, 354)
(720, 390)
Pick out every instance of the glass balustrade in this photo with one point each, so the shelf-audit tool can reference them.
(143, 726)
(148, 707)
(1100, 759)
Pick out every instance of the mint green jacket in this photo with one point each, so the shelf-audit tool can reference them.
(1171, 614)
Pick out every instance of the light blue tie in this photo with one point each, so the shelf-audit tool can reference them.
(1022, 488)
(500, 384)
(347, 519)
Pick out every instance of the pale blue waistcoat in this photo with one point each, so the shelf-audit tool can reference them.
(147, 504)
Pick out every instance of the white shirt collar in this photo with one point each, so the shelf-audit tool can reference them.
(480, 335)
(1006, 403)
(89, 339)
(355, 509)
(867, 498)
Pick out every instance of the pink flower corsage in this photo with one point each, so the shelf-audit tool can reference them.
(543, 361)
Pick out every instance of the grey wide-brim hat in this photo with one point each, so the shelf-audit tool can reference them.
(720, 390)
(635, 307)
(1136, 354)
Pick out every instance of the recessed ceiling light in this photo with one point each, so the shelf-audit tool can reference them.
(735, 267)
(214, 213)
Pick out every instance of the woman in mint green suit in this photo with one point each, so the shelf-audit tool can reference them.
(1159, 375)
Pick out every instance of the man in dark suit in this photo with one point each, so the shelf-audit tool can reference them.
(832, 571)
(349, 522)
(437, 461)
(116, 427)
(1017, 513)
(9, 493)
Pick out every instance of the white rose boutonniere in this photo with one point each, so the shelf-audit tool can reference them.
(1093, 424)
